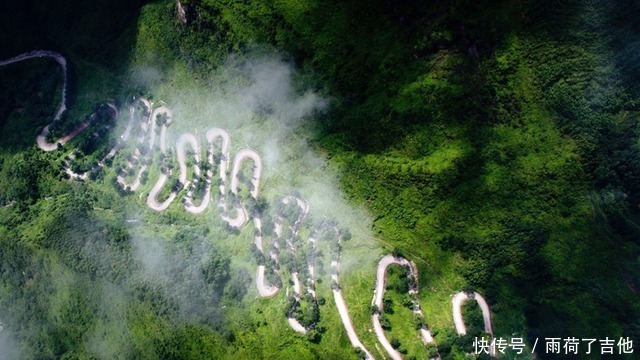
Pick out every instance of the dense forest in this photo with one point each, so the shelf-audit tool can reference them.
(494, 143)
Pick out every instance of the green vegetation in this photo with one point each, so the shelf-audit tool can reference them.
(494, 143)
(403, 324)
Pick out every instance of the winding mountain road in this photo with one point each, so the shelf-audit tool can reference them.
(148, 125)
(297, 287)
(343, 310)
(41, 139)
(60, 60)
(378, 295)
(242, 217)
(457, 301)
(152, 200)
(241, 156)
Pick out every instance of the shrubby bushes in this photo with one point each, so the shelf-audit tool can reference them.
(506, 133)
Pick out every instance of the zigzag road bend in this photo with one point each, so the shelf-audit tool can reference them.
(150, 123)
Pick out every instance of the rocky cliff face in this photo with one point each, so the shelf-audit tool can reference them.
(185, 12)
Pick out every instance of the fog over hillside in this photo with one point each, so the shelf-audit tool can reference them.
(311, 180)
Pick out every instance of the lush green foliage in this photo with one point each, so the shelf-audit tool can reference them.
(495, 143)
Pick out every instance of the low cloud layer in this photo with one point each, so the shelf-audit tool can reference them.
(175, 264)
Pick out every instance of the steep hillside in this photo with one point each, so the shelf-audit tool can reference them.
(494, 144)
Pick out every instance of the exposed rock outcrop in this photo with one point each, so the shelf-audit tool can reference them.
(186, 12)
